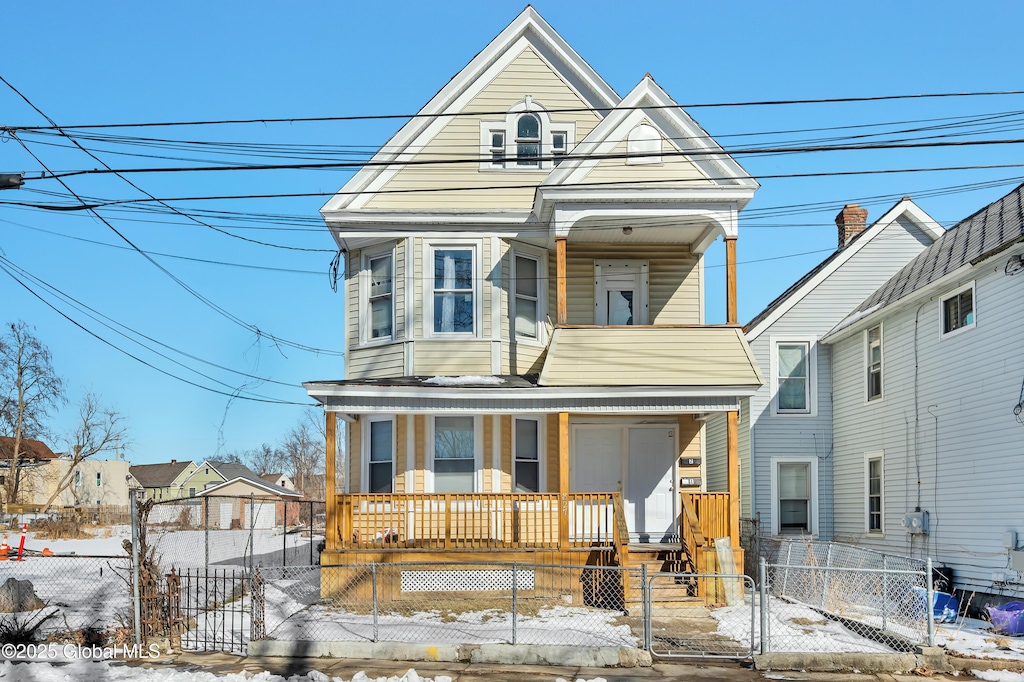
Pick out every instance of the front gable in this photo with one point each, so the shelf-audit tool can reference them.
(527, 59)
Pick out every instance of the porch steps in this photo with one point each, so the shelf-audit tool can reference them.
(667, 593)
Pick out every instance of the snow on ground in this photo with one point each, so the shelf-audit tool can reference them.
(793, 628)
(998, 675)
(973, 638)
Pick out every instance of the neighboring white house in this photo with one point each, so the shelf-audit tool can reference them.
(927, 398)
(785, 430)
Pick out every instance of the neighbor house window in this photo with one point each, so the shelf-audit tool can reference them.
(381, 456)
(99, 479)
(191, 492)
(528, 140)
(527, 456)
(794, 495)
(527, 296)
(78, 477)
(874, 493)
(958, 310)
(794, 385)
(380, 296)
(454, 454)
(453, 291)
(874, 363)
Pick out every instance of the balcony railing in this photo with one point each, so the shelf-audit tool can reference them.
(477, 521)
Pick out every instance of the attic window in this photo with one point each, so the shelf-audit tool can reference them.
(643, 145)
(528, 141)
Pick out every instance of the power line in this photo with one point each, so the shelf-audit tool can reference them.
(213, 306)
(560, 110)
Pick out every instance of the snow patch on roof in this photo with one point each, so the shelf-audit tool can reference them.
(852, 318)
(465, 380)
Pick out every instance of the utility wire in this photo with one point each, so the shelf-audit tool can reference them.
(559, 110)
(213, 306)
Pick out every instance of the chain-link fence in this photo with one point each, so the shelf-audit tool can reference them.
(455, 603)
(240, 532)
(64, 598)
(832, 597)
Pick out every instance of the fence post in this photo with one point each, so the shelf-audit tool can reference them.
(763, 577)
(645, 601)
(825, 581)
(885, 590)
(373, 583)
(311, 532)
(284, 535)
(206, 533)
(515, 597)
(136, 590)
(930, 602)
(252, 529)
(789, 560)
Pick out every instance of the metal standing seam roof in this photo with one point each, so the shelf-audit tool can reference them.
(992, 229)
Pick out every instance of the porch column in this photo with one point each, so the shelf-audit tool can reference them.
(563, 480)
(733, 461)
(730, 280)
(329, 483)
(561, 316)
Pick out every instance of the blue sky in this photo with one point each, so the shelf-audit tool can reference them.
(123, 62)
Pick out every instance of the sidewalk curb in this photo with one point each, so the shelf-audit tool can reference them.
(933, 659)
(507, 654)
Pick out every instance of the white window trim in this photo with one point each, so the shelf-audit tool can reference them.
(867, 364)
(364, 450)
(868, 456)
(942, 310)
(813, 462)
(508, 126)
(429, 246)
(478, 451)
(541, 458)
(812, 374)
(600, 288)
(364, 296)
(540, 255)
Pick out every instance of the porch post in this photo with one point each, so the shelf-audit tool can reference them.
(733, 459)
(730, 280)
(561, 316)
(563, 480)
(329, 482)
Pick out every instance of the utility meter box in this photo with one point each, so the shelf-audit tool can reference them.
(916, 523)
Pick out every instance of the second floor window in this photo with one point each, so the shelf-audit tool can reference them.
(453, 291)
(874, 363)
(380, 297)
(527, 296)
(794, 385)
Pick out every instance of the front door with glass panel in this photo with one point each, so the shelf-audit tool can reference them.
(620, 294)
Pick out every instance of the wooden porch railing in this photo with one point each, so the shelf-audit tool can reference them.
(474, 521)
(705, 517)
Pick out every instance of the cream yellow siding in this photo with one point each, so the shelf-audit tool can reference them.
(399, 288)
(506, 454)
(673, 293)
(488, 454)
(353, 262)
(243, 489)
(355, 456)
(420, 440)
(401, 451)
(552, 452)
(672, 168)
(527, 74)
(376, 362)
(690, 434)
(452, 358)
(650, 356)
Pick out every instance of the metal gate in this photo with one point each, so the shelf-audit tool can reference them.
(216, 607)
(677, 625)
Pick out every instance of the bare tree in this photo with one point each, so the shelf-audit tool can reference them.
(303, 449)
(265, 459)
(99, 429)
(29, 389)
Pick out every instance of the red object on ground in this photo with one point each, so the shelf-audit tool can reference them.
(4, 549)
(48, 552)
(21, 544)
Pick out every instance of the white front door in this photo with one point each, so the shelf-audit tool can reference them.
(595, 467)
(650, 484)
(639, 461)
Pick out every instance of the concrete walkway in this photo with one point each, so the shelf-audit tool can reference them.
(478, 672)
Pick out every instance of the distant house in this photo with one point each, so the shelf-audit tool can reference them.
(266, 507)
(280, 480)
(785, 431)
(928, 406)
(93, 483)
(164, 481)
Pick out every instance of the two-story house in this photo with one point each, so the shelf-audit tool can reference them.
(527, 361)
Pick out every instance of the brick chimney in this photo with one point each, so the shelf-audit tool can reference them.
(851, 221)
(174, 461)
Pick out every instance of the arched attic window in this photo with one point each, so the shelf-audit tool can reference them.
(644, 145)
(528, 140)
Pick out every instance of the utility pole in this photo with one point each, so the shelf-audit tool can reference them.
(11, 180)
